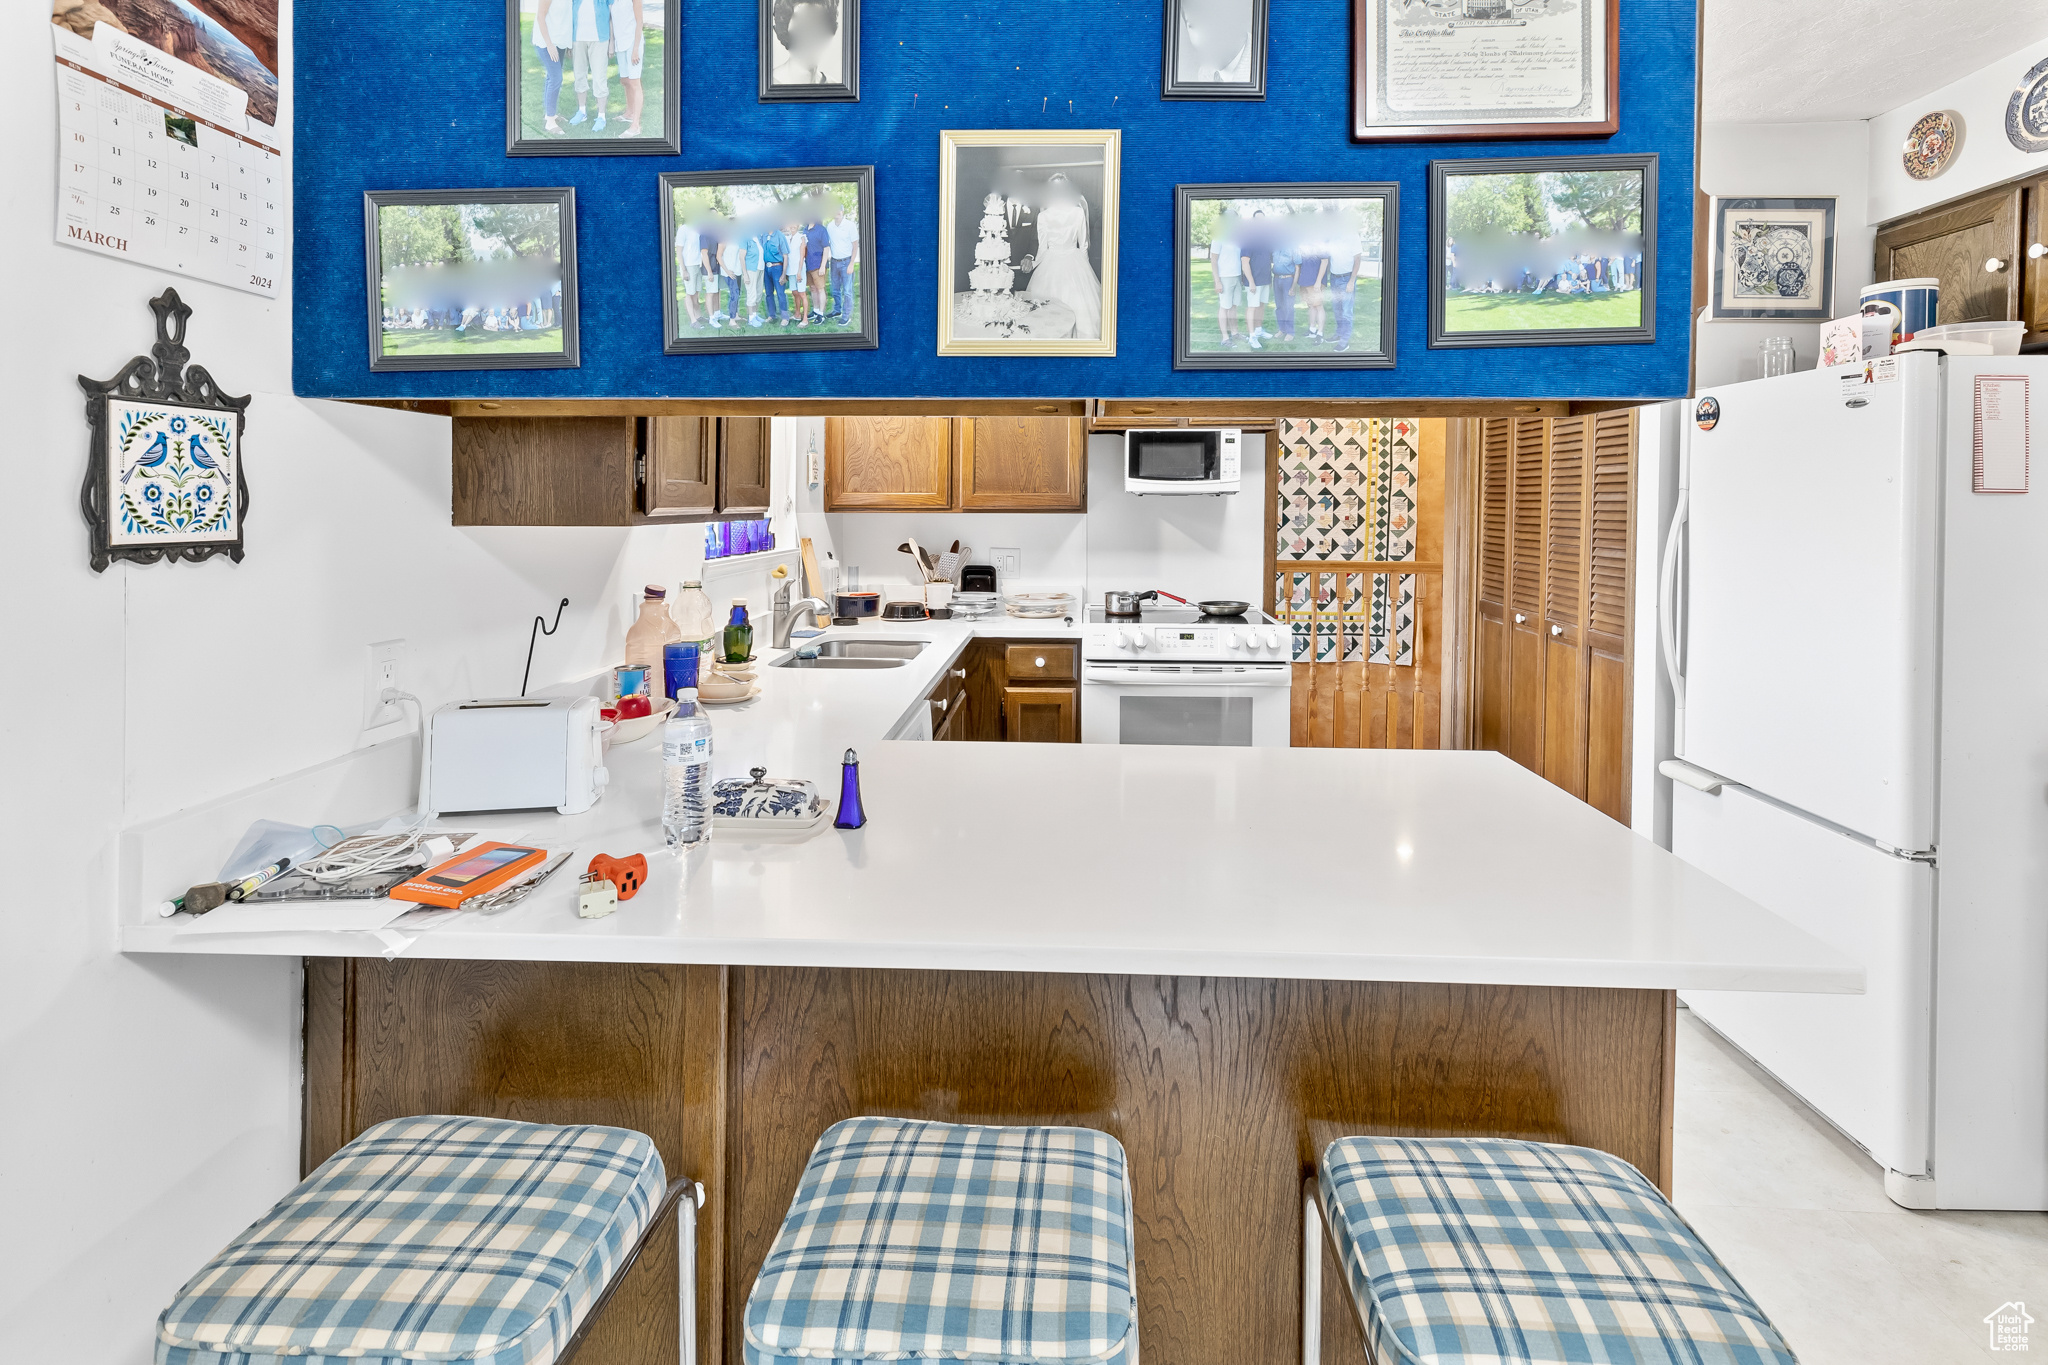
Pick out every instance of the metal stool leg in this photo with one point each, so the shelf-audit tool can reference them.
(1311, 1275)
(685, 1196)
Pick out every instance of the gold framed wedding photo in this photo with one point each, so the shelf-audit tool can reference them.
(1027, 242)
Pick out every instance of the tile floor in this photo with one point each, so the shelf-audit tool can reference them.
(1799, 1214)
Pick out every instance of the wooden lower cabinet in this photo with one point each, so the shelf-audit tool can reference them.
(1223, 1091)
(1042, 715)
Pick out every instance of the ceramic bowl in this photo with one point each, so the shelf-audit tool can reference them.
(720, 688)
(639, 727)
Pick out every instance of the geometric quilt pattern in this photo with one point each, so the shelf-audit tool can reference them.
(1347, 493)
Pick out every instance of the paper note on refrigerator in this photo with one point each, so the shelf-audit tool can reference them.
(1998, 434)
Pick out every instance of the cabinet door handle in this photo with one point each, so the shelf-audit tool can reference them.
(2036, 252)
(1557, 630)
(1519, 618)
(1993, 266)
(961, 674)
(941, 702)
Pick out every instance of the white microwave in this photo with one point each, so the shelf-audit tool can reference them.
(1184, 460)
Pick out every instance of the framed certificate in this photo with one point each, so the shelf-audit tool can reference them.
(1429, 70)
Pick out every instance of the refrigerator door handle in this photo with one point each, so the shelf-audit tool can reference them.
(1667, 602)
(1699, 779)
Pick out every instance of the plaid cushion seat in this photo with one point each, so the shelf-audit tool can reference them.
(428, 1238)
(920, 1241)
(1492, 1252)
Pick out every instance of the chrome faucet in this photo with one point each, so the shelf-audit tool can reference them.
(786, 612)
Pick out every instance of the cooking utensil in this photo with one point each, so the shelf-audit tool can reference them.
(1219, 606)
(1126, 603)
(949, 564)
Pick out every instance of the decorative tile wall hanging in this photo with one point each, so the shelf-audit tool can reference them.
(164, 479)
(1346, 493)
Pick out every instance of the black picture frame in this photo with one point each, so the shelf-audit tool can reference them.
(669, 143)
(162, 379)
(1185, 357)
(1440, 173)
(844, 91)
(1819, 211)
(1172, 86)
(563, 197)
(676, 342)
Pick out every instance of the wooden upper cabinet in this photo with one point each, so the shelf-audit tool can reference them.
(1973, 248)
(680, 478)
(2033, 270)
(1023, 464)
(543, 471)
(743, 466)
(901, 464)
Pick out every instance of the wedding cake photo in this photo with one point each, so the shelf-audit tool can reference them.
(1028, 244)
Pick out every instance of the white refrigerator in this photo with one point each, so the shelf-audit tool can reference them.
(1860, 645)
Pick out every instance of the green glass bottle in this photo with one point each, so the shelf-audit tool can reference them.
(739, 634)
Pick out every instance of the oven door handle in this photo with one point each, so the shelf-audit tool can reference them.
(1272, 675)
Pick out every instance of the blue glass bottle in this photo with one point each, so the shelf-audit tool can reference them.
(852, 815)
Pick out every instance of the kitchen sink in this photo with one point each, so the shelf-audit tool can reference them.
(854, 654)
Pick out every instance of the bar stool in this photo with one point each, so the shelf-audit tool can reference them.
(909, 1239)
(438, 1238)
(1481, 1249)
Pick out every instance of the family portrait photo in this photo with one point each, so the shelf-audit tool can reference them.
(769, 260)
(809, 50)
(1215, 50)
(1285, 276)
(1027, 243)
(590, 77)
(1529, 252)
(471, 280)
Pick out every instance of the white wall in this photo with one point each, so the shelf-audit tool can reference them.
(1986, 156)
(149, 1107)
(1787, 160)
(1197, 547)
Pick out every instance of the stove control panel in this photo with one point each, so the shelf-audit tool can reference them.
(1187, 642)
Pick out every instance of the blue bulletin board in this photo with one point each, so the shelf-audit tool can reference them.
(395, 95)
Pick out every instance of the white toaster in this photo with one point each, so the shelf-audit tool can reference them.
(514, 753)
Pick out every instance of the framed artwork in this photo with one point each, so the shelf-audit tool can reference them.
(769, 260)
(471, 279)
(809, 50)
(1285, 277)
(1027, 242)
(1463, 70)
(1543, 251)
(593, 78)
(1214, 50)
(164, 479)
(1773, 258)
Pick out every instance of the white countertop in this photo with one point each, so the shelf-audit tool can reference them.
(1306, 863)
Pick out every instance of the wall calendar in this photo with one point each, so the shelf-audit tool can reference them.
(162, 162)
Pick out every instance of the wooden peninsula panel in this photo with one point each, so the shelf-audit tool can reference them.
(1222, 1091)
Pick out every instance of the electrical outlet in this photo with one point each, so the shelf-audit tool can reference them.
(380, 672)
(1007, 562)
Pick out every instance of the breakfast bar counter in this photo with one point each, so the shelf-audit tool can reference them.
(1223, 957)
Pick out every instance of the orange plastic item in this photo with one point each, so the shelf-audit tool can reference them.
(625, 873)
(469, 874)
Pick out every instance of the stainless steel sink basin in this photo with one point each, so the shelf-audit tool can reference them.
(854, 654)
(839, 662)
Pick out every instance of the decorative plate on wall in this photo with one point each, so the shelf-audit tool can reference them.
(1932, 144)
(2026, 115)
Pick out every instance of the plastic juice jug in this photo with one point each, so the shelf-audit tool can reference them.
(739, 634)
(654, 628)
(698, 621)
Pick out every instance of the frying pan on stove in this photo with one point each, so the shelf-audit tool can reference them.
(1214, 607)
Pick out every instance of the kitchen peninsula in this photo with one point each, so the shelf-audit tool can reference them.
(1156, 941)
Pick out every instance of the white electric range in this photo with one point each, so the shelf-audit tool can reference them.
(1174, 676)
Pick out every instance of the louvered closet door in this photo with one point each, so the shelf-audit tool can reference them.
(1610, 552)
(1525, 594)
(1491, 645)
(1564, 603)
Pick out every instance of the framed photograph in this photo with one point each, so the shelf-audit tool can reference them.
(593, 78)
(1462, 70)
(1027, 242)
(1285, 277)
(809, 50)
(1774, 258)
(769, 260)
(1214, 50)
(164, 480)
(471, 279)
(1543, 251)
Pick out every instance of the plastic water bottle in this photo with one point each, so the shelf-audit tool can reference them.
(686, 773)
